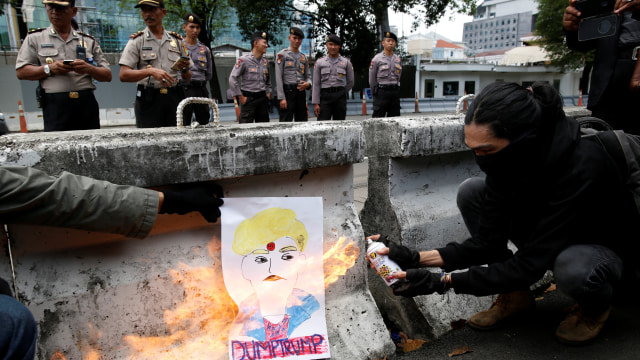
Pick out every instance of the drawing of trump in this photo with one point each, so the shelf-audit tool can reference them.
(271, 244)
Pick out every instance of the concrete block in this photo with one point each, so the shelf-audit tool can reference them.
(104, 293)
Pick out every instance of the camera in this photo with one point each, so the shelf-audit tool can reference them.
(598, 19)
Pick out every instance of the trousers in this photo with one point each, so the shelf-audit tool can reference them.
(18, 330)
(585, 272)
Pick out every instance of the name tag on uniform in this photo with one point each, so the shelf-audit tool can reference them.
(46, 45)
(147, 48)
(253, 70)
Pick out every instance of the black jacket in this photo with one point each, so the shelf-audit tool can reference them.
(570, 195)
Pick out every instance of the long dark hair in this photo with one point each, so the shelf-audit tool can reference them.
(510, 110)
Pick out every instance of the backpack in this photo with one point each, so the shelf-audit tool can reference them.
(623, 148)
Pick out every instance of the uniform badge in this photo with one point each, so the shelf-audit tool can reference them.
(203, 64)
(152, 54)
(238, 63)
(264, 62)
(253, 70)
(173, 43)
(302, 58)
(289, 63)
(302, 68)
(340, 75)
(342, 63)
(371, 66)
(49, 60)
(279, 60)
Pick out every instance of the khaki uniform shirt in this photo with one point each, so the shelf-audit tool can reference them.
(254, 74)
(44, 46)
(144, 49)
(291, 68)
(331, 72)
(385, 70)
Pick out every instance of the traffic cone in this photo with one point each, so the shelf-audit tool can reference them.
(364, 103)
(464, 104)
(580, 98)
(417, 106)
(23, 121)
(235, 103)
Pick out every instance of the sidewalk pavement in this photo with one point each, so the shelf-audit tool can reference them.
(532, 336)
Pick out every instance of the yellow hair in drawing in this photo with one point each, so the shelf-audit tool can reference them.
(268, 226)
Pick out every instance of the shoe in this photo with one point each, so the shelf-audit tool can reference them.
(506, 305)
(581, 327)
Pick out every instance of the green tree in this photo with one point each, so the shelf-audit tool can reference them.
(549, 28)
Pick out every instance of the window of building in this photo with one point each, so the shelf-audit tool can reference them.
(450, 88)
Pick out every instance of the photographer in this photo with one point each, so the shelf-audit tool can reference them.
(612, 96)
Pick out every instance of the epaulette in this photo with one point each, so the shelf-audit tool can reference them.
(135, 35)
(176, 35)
(36, 30)
(87, 35)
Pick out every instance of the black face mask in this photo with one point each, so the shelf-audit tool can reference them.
(514, 160)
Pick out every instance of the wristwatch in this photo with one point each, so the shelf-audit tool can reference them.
(47, 70)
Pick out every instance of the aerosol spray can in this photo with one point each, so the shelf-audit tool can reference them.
(384, 266)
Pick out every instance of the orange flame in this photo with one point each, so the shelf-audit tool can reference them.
(338, 259)
(199, 326)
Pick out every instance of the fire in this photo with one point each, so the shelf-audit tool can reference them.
(198, 328)
(338, 259)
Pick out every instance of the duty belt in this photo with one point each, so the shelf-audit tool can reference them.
(162, 91)
(331, 89)
(387, 86)
(194, 83)
(72, 94)
(254, 94)
(290, 86)
(629, 53)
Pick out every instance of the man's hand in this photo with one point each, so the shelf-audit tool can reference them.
(81, 66)
(162, 76)
(283, 104)
(402, 255)
(303, 85)
(243, 99)
(624, 5)
(571, 18)
(58, 68)
(316, 109)
(204, 199)
(419, 282)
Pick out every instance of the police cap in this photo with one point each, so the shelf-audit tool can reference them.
(61, 3)
(334, 39)
(257, 36)
(154, 3)
(297, 32)
(389, 34)
(192, 18)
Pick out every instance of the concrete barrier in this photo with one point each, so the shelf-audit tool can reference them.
(89, 291)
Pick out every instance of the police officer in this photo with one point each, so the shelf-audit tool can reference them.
(384, 78)
(201, 71)
(65, 62)
(255, 92)
(153, 58)
(293, 78)
(332, 80)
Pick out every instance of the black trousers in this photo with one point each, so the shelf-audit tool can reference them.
(70, 111)
(255, 109)
(296, 106)
(333, 105)
(155, 109)
(201, 110)
(618, 105)
(386, 103)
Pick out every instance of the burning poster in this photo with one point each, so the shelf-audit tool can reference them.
(272, 266)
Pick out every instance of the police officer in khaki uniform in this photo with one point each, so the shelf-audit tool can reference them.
(293, 78)
(332, 80)
(255, 92)
(201, 71)
(153, 58)
(65, 62)
(384, 78)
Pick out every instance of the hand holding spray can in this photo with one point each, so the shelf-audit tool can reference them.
(383, 264)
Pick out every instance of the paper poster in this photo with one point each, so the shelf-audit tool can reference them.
(272, 266)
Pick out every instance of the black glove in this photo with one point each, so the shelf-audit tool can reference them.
(205, 199)
(5, 288)
(420, 282)
(402, 255)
